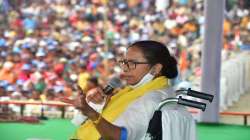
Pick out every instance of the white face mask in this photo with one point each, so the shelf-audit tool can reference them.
(147, 78)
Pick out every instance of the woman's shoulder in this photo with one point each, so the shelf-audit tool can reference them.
(160, 94)
(154, 97)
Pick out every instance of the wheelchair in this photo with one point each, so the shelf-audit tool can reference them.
(172, 121)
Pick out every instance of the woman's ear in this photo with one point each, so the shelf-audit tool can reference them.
(156, 69)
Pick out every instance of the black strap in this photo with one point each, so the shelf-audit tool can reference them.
(154, 131)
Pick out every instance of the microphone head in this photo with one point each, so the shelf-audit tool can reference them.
(115, 82)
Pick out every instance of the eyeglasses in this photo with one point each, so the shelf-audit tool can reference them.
(129, 64)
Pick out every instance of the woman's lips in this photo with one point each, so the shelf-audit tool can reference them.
(126, 77)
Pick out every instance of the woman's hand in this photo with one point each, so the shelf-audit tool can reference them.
(95, 95)
(81, 104)
(106, 129)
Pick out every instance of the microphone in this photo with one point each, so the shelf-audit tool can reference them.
(113, 83)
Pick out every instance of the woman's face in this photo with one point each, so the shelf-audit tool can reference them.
(134, 66)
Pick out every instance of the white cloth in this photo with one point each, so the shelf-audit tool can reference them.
(137, 116)
(178, 123)
(235, 77)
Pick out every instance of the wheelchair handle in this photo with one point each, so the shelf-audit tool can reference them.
(191, 103)
(200, 95)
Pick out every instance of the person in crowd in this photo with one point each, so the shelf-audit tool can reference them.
(83, 77)
(6, 72)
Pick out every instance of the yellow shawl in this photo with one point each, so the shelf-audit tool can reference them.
(117, 105)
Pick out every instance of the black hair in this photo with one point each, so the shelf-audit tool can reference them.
(156, 52)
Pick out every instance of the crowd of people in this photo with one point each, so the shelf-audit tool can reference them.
(49, 46)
